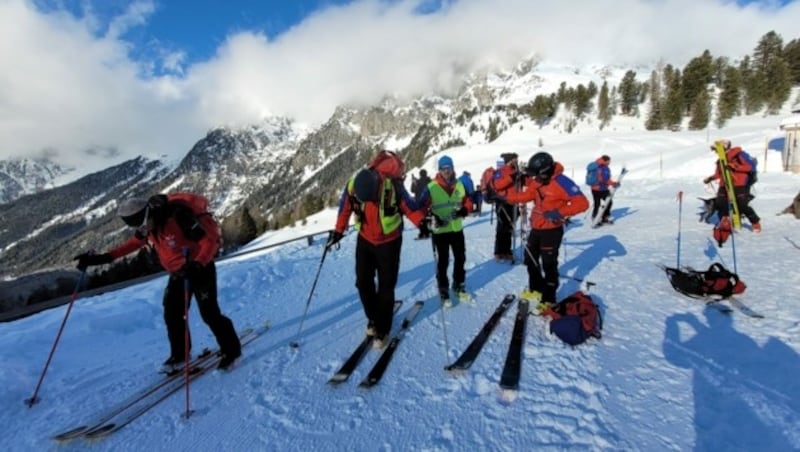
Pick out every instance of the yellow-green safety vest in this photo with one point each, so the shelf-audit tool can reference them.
(389, 222)
(444, 206)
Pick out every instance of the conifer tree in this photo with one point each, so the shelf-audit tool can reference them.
(603, 106)
(628, 94)
(672, 113)
(791, 54)
(700, 111)
(696, 76)
(583, 100)
(730, 98)
(654, 118)
(753, 99)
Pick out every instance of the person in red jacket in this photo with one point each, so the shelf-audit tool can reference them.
(377, 197)
(555, 198)
(740, 174)
(170, 225)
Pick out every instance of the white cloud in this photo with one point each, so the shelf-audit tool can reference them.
(63, 87)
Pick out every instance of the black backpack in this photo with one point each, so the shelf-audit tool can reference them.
(716, 281)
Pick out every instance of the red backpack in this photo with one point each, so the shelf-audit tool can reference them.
(575, 319)
(199, 206)
(388, 164)
(487, 184)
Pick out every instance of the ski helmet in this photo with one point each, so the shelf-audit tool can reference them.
(365, 185)
(133, 211)
(541, 164)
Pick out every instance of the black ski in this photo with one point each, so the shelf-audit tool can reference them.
(378, 370)
(136, 398)
(511, 371)
(355, 358)
(466, 359)
(744, 309)
(119, 417)
(717, 304)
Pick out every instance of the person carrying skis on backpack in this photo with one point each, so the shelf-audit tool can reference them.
(598, 177)
(555, 198)
(173, 225)
(505, 177)
(447, 201)
(743, 171)
(377, 197)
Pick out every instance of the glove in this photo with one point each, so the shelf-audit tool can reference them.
(333, 238)
(616, 184)
(89, 259)
(462, 212)
(439, 221)
(424, 229)
(553, 215)
(708, 179)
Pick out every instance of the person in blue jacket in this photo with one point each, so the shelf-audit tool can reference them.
(601, 189)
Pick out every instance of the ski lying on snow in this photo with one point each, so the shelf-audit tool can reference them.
(355, 358)
(744, 309)
(129, 411)
(471, 352)
(136, 398)
(378, 370)
(509, 379)
(717, 304)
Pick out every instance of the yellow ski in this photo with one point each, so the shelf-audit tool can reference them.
(727, 180)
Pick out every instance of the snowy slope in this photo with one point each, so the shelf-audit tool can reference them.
(669, 374)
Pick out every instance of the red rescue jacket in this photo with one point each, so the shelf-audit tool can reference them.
(169, 240)
(561, 194)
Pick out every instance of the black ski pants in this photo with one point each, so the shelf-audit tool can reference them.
(505, 213)
(541, 259)
(598, 196)
(743, 198)
(382, 261)
(443, 243)
(203, 286)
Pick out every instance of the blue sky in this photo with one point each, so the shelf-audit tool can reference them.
(151, 77)
(196, 28)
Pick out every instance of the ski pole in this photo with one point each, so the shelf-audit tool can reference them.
(733, 250)
(34, 399)
(186, 336)
(680, 215)
(295, 343)
(441, 302)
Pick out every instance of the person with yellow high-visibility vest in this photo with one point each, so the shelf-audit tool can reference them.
(377, 197)
(447, 201)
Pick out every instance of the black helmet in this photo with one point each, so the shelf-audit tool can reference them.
(133, 211)
(541, 164)
(365, 185)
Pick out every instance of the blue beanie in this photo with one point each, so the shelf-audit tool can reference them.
(446, 161)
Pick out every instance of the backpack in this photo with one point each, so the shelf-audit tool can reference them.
(192, 215)
(716, 281)
(487, 185)
(575, 319)
(752, 176)
(722, 231)
(591, 173)
(388, 164)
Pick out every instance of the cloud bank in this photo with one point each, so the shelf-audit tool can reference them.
(69, 91)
